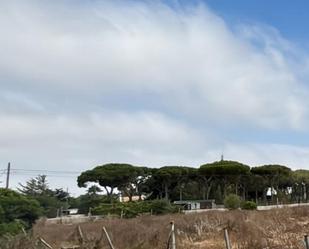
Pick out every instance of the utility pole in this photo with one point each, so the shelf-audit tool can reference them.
(8, 175)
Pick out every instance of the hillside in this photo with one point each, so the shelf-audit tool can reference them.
(280, 228)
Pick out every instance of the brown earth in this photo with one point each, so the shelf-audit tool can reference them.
(273, 229)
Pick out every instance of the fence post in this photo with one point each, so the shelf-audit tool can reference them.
(306, 242)
(81, 236)
(227, 239)
(45, 243)
(171, 237)
(108, 239)
(24, 231)
(121, 214)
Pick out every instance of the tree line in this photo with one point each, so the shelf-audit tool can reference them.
(159, 186)
(210, 181)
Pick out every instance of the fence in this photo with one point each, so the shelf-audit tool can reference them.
(83, 243)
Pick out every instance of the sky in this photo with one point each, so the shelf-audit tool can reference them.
(151, 83)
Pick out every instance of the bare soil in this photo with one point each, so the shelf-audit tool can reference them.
(273, 229)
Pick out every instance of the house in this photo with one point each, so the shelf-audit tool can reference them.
(134, 198)
(70, 211)
(196, 204)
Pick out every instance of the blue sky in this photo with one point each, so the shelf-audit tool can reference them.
(287, 16)
(152, 83)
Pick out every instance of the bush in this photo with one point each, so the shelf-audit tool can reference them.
(232, 201)
(248, 205)
(133, 209)
(17, 207)
(11, 228)
(16, 212)
(162, 207)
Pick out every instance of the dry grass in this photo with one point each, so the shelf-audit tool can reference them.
(274, 229)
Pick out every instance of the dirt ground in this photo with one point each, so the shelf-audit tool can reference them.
(274, 229)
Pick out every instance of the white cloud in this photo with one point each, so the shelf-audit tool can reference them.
(75, 81)
(185, 54)
(256, 154)
(80, 142)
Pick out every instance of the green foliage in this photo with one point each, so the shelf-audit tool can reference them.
(50, 205)
(218, 195)
(133, 209)
(211, 181)
(232, 201)
(2, 217)
(171, 177)
(35, 186)
(86, 202)
(113, 175)
(50, 200)
(11, 228)
(224, 168)
(248, 205)
(271, 170)
(162, 207)
(17, 206)
(301, 176)
(17, 211)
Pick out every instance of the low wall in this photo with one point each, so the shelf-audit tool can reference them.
(281, 206)
(73, 219)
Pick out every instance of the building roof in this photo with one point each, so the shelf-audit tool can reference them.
(194, 201)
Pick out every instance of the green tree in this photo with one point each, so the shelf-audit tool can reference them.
(171, 177)
(137, 184)
(109, 176)
(232, 201)
(300, 184)
(16, 207)
(50, 200)
(35, 186)
(277, 176)
(225, 172)
(91, 200)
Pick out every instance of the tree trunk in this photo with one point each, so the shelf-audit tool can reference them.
(180, 194)
(166, 191)
(224, 189)
(107, 191)
(256, 196)
(208, 190)
(204, 192)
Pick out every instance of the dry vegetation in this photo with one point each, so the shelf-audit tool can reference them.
(280, 228)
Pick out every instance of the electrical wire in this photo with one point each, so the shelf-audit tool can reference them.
(49, 173)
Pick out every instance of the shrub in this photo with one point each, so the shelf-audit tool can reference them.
(232, 201)
(15, 206)
(133, 209)
(16, 211)
(162, 207)
(248, 205)
(11, 228)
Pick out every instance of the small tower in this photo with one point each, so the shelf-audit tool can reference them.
(222, 157)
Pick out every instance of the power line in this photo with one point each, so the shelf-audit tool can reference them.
(47, 171)
(62, 176)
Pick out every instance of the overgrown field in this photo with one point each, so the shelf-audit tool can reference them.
(273, 229)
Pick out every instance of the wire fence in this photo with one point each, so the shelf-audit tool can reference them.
(26, 240)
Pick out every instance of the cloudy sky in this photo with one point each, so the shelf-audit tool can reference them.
(153, 83)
